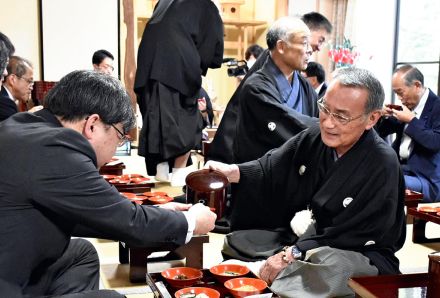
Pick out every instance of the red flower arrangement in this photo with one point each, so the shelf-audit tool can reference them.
(343, 55)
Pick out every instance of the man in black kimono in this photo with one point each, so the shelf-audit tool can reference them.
(221, 148)
(180, 42)
(347, 176)
(276, 102)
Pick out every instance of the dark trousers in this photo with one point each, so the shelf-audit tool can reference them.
(74, 275)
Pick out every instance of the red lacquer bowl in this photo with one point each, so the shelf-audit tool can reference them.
(180, 277)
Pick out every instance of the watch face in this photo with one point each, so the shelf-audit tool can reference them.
(296, 253)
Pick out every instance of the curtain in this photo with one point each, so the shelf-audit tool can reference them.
(339, 21)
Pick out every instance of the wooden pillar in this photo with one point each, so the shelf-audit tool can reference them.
(281, 8)
(129, 59)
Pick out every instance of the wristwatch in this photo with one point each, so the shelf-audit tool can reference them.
(296, 253)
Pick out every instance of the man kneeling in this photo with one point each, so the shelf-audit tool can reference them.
(348, 178)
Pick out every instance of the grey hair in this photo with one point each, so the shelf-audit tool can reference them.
(362, 79)
(18, 66)
(4, 55)
(280, 30)
(410, 74)
(84, 92)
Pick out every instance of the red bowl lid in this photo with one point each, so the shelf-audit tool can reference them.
(130, 176)
(154, 193)
(159, 199)
(139, 180)
(128, 195)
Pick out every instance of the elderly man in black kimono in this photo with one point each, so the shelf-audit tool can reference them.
(180, 42)
(221, 148)
(348, 178)
(276, 102)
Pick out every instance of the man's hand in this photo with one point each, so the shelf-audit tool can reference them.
(273, 266)
(205, 218)
(175, 206)
(201, 102)
(232, 172)
(405, 115)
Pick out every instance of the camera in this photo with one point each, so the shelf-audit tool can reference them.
(236, 67)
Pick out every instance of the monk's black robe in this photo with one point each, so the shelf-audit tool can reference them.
(264, 121)
(177, 48)
(221, 148)
(357, 200)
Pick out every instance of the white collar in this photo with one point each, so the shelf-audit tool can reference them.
(421, 105)
(9, 93)
(319, 87)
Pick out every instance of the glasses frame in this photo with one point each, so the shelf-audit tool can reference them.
(344, 120)
(290, 44)
(29, 81)
(122, 137)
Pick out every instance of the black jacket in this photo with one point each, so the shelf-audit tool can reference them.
(357, 201)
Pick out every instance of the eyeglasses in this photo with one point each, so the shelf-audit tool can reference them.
(305, 44)
(122, 137)
(338, 117)
(29, 81)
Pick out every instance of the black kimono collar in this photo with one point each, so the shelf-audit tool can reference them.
(341, 170)
(160, 10)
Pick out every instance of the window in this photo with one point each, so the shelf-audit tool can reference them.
(418, 39)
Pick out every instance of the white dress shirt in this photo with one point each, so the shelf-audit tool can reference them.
(406, 145)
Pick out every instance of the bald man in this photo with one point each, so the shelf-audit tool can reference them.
(276, 102)
(221, 148)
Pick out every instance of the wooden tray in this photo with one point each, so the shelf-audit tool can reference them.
(208, 280)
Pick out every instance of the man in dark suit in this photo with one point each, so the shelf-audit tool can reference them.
(18, 85)
(315, 74)
(417, 128)
(7, 106)
(47, 198)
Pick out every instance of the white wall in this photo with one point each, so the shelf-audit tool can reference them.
(73, 31)
(373, 34)
(19, 21)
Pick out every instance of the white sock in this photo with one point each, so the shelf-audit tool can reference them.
(163, 172)
(179, 175)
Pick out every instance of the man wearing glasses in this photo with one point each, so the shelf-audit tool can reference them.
(221, 148)
(18, 85)
(51, 190)
(276, 102)
(346, 176)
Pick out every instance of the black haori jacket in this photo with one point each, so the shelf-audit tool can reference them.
(357, 200)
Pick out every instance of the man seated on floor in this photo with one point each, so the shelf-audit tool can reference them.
(348, 178)
(51, 190)
(417, 128)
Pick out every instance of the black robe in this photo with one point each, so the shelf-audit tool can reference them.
(176, 49)
(264, 122)
(224, 146)
(357, 201)
(221, 148)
